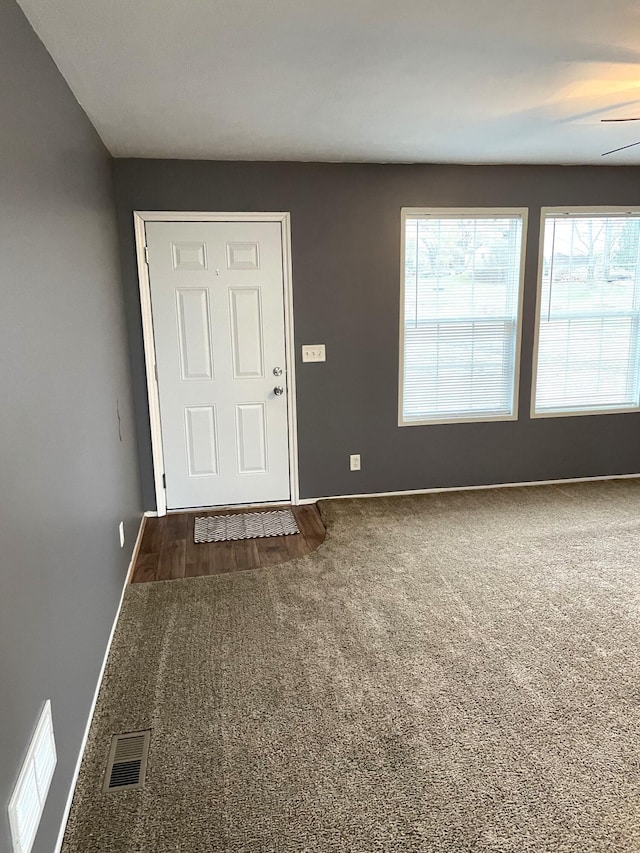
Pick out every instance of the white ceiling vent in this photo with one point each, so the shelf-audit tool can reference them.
(29, 795)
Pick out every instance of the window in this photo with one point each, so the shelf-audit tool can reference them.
(460, 315)
(588, 342)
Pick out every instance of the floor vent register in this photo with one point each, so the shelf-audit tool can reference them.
(127, 763)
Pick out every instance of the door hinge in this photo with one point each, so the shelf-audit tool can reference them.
(155, 370)
(164, 481)
(146, 255)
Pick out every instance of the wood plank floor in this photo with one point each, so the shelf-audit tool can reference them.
(168, 552)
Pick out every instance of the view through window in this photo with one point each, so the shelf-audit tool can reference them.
(461, 301)
(588, 354)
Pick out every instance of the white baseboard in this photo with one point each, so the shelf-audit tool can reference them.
(471, 488)
(83, 745)
(304, 501)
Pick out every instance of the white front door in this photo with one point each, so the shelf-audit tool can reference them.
(217, 304)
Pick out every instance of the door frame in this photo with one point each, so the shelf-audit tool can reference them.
(140, 218)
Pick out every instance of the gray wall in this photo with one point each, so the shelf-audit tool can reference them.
(346, 267)
(68, 470)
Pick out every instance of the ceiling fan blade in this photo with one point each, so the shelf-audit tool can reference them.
(619, 119)
(613, 150)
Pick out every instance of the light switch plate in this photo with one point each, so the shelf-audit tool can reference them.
(314, 352)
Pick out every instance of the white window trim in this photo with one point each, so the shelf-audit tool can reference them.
(489, 213)
(567, 211)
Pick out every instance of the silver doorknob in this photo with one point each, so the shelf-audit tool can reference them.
(278, 390)
(277, 371)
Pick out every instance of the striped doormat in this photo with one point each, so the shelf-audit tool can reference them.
(245, 525)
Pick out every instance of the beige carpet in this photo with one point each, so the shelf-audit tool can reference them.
(455, 672)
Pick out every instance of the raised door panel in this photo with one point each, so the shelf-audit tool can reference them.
(251, 438)
(247, 341)
(201, 441)
(188, 257)
(243, 256)
(194, 333)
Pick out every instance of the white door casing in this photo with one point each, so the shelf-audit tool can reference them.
(216, 299)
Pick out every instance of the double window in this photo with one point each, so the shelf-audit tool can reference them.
(461, 315)
(462, 285)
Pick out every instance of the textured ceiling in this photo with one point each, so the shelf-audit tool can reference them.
(464, 81)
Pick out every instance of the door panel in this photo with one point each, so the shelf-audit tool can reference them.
(218, 316)
(202, 441)
(246, 332)
(194, 333)
(251, 438)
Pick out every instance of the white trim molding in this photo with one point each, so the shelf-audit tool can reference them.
(140, 218)
(577, 212)
(83, 745)
(521, 213)
(434, 491)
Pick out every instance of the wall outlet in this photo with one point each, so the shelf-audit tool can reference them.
(354, 462)
(314, 352)
(121, 532)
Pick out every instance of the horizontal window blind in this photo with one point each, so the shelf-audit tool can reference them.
(461, 290)
(589, 315)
